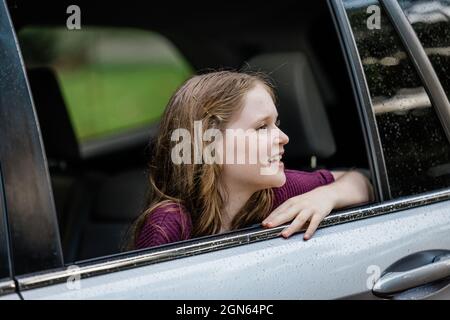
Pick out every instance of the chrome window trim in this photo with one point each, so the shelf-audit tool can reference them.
(212, 243)
(7, 287)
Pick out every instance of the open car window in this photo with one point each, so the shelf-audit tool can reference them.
(102, 82)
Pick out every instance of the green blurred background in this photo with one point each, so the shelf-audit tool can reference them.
(112, 80)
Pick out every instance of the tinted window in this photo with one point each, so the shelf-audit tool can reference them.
(431, 22)
(415, 148)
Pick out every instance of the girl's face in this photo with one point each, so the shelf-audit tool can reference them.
(258, 144)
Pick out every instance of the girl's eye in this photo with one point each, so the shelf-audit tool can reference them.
(264, 126)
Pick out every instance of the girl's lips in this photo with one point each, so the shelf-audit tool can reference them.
(276, 158)
(279, 164)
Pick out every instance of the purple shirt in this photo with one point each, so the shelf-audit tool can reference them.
(171, 223)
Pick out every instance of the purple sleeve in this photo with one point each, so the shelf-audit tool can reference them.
(164, 225)
(299, 182)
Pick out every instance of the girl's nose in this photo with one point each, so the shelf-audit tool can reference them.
(282, 138)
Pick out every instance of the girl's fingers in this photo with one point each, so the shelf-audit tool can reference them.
(315, 221)
(297, 224)
(282, 208)
(284, 216)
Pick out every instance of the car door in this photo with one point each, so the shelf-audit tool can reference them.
(395, 248)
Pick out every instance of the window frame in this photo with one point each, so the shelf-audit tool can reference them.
(135, 259)
(27, 189)
(363, 101)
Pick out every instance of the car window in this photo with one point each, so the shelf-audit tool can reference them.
(97, 199)
(91, 65)
(415, 149)
(431, 22)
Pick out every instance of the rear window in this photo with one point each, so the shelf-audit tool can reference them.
(91, 65)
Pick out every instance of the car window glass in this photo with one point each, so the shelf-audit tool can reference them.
(415, 149)
(431, 22)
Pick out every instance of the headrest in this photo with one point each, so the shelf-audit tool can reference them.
(59, 138)
(300, 105)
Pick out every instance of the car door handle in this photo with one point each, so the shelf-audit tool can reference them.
(394, 282)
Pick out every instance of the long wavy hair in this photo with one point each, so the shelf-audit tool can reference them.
(212, 98)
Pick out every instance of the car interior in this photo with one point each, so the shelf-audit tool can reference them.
(99, 188)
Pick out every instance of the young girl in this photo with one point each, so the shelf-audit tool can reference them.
(190, 198)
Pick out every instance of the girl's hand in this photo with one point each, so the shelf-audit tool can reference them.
(312, 206)
(349, 188)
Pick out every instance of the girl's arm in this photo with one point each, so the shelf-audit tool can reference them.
(349, 188)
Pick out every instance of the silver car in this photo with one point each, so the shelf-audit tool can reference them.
(370, 78)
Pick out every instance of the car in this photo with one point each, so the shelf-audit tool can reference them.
(370, 78)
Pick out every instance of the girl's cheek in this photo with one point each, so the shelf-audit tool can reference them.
(262, 150)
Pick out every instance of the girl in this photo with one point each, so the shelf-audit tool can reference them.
(191, 199)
